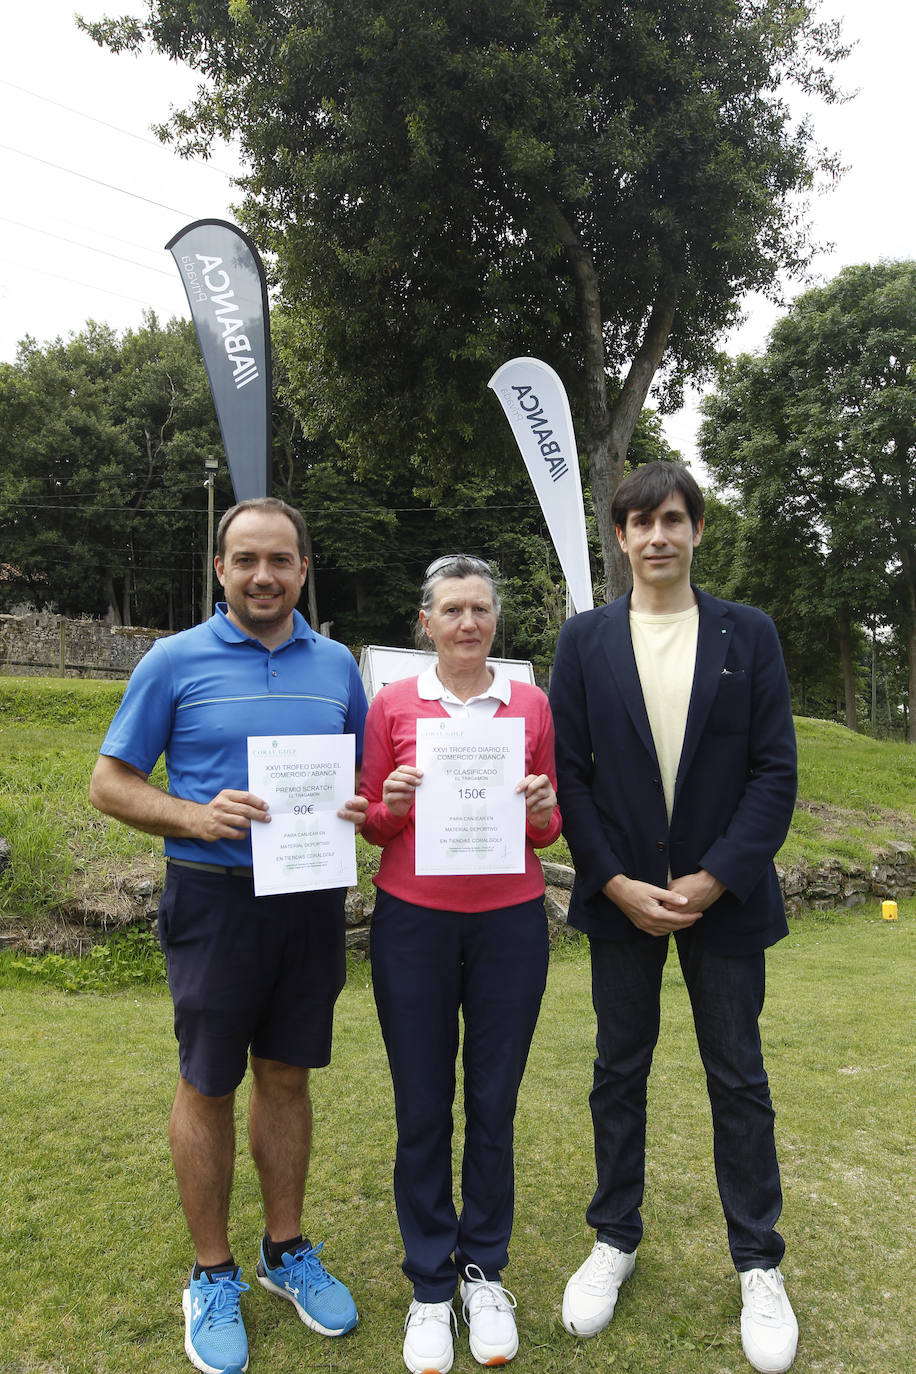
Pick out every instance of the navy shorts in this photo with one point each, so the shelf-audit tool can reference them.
(246, 972)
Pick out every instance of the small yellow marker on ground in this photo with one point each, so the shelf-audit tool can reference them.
(889, 911)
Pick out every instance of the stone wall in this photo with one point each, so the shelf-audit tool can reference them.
(39, 644)
(136, 895)
(826, 887)
(829, 886)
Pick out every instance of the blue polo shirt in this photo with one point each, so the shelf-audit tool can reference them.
(198, 695)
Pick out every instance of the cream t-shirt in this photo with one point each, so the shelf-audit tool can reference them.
(665, 647)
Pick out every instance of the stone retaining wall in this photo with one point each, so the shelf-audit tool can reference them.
(826, 887)
(829, 886)
(40, 644)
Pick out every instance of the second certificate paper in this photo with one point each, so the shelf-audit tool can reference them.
(469, 818)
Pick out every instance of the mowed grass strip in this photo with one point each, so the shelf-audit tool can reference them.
(95, 1250)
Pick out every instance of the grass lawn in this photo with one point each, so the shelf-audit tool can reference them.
(95, 1251)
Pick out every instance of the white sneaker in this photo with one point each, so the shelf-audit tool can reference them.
(591, 1294)
(769, 1331)
(428, 1347)
(488, 1311)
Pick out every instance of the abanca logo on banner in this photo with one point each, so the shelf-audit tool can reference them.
(539, 425)
(210, 281)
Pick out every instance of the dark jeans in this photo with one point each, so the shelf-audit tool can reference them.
(426, 966)
(726, 994)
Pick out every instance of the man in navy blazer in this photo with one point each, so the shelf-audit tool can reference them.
(677, 777)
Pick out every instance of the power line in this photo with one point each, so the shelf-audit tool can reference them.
(107, 510)
(128, 133)
(90, 248)
(343, 510)
(74, 281)
(102, 233)
(191, 566)
(33, 157)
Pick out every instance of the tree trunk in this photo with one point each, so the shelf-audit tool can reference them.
(905, 550)
(114, 615)
(605, 469)
(609, 429)
(288, 456)
(911, 694)
(849, 678)
(310, 582)
(286, 451)
(128, 586)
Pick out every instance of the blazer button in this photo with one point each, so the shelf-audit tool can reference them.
(660, 846)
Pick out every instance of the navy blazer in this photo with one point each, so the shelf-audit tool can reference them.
(736, 781)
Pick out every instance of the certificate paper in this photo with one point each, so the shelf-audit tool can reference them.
(469, 818)
(304, 779)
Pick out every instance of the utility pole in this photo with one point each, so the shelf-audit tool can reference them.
(210, 468)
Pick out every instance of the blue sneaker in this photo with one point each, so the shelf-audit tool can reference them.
(214, 1333)
(322, 1301)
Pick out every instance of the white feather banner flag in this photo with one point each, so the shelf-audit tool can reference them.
(537, 408)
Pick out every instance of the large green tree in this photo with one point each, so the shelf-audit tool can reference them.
(443, 186)
(102, 442)
(103, 511)
(756, 553)
(818, 437)
(59, 448)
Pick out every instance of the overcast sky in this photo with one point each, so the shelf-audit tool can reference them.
(90, 198)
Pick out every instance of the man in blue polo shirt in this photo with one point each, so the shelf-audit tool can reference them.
(249, 975)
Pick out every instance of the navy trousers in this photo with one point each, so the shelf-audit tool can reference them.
(726, 995)
(426, 966)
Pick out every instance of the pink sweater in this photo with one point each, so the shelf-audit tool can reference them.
(391, 739)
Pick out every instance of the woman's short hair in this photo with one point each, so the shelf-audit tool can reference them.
(453, 565)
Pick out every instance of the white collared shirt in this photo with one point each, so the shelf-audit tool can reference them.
(431, 688)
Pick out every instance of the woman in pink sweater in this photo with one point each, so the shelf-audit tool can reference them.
(474, 942)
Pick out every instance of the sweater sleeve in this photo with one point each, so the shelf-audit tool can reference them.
(543, 761)
(379, 759)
